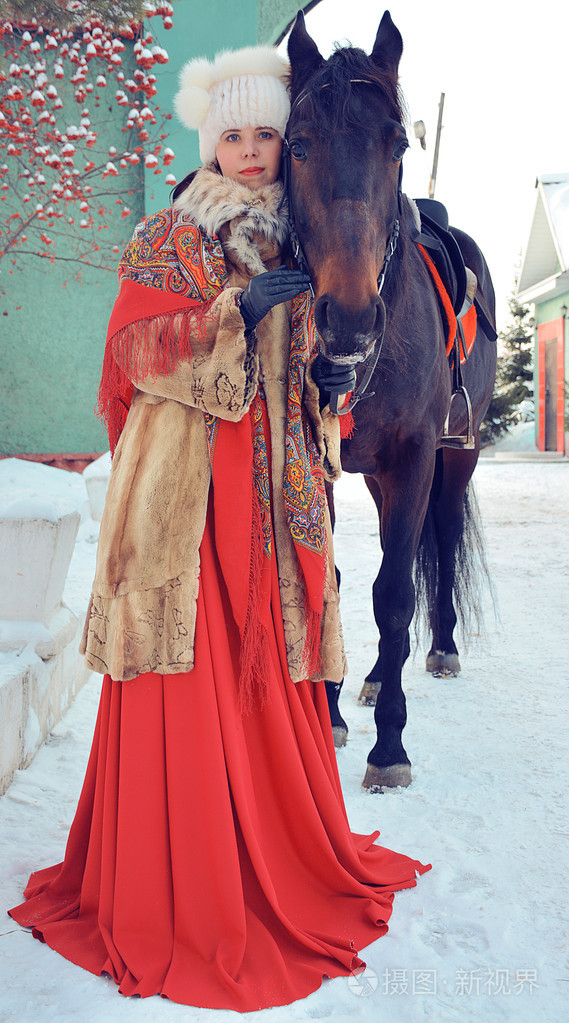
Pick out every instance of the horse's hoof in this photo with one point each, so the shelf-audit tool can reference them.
(368, 695)
(443, 665)
(391, 777)
(340, 734)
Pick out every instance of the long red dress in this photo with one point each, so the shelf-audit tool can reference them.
(210, 859)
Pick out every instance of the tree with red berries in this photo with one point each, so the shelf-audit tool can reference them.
(78, 126)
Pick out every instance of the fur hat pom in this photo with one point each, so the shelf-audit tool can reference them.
(192, 104)
(237, 88)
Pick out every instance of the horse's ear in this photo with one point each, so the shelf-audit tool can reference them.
(388, 45)
(303, 54)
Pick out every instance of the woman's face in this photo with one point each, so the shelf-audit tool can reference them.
(250, 155)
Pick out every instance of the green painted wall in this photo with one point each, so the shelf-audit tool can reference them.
(52, 351)
(52, 346)
(551, 308)
(274, 17)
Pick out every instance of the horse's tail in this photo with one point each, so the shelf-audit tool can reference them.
(472, 584)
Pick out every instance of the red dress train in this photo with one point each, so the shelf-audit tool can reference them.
(210, 859)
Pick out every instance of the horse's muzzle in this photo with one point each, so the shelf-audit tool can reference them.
(348, 335)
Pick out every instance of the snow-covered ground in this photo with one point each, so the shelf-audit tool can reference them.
(484, 935)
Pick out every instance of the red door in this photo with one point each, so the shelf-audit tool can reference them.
(550, 363)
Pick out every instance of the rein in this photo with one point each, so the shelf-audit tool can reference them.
(302, 262)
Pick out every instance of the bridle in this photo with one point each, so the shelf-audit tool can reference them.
(302, 262)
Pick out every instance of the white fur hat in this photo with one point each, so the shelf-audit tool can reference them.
(237, 88)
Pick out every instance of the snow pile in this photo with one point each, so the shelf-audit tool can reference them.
(96, 476)
(31, 490)
(40, 666)
(484, 936)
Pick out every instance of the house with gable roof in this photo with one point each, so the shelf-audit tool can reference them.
(544, 283)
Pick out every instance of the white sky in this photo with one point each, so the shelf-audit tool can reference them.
(504, 69)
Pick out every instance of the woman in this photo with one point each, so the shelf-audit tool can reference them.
(210, 859)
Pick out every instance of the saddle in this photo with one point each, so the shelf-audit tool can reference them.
(443, 249)
(440, 248)
(458, 279)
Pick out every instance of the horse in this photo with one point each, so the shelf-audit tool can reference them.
(416, 430)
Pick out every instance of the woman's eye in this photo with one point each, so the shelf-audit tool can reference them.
(399, 150)
(232, 138)
(265, 135)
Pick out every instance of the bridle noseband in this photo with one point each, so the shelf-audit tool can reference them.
(302, 262)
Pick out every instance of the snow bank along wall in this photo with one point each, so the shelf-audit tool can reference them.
(41, 670)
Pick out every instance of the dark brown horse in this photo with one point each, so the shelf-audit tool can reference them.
(346, 141)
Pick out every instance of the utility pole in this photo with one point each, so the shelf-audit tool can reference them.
(433, 180)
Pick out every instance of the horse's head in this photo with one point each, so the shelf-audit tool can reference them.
(346, 142)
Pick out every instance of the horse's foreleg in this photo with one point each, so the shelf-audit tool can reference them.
(372, 682)
(404, 506)
(448, 514)
(394, 601)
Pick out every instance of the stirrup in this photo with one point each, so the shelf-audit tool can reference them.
(449, 441)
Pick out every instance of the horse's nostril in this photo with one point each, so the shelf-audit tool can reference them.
(348, 332)
(321, 314)
(323, 310)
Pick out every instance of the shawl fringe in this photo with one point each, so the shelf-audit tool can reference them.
(149, 347)
(347, 425)
(255, 654)
(312, 653)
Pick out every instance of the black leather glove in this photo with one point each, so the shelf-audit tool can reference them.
(267, 290)
(332, 377)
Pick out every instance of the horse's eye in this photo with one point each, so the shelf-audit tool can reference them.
(400, 146)
(298, 152)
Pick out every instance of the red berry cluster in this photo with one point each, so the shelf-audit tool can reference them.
(56, 173)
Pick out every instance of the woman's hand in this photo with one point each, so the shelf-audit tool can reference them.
(331, 377)
(269, 289)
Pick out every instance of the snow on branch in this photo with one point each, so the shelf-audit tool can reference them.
(79, 125)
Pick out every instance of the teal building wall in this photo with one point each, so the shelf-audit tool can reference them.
(551, 308)
(53, 328)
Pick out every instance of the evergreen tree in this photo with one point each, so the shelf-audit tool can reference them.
(514, 373)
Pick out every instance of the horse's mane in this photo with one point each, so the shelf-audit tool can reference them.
(328, 99)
